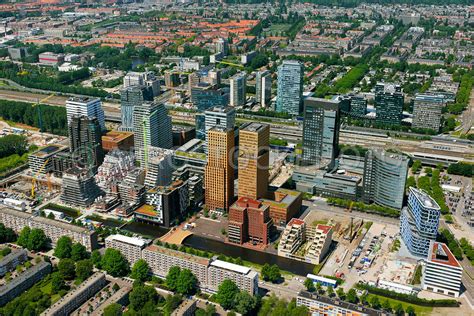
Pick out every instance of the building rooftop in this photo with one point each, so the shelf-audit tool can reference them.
(16, 213)
(179, 254)
(296, 221)
(253, 127)
(83, 99)
(218, 109)
(134, 241)
(116, 136)
(49, 151)
(439, 253)
(230, 266)
(147, 210)
(63, 225)
(426, 200)
(325, 228)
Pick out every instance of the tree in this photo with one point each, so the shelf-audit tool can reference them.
(114, 263)
(6, 234)
(352, 296)
(84, 269)
(63, 247)
(309, 285)
(319, 288)
(244, 303)
(330, 291)
(374, 302)
(24, 237)
(340, 293)
(187, 282)
(399, 310)
(226, 294)
(113, 309)
(141, 296)
(275, 274)
(78, 252)
(140, 271)
(37, 240)
(172, 278)
(57, 282)
(96, 258)
(410, 311)
(67, 268)
(172, 302)
(386, 305)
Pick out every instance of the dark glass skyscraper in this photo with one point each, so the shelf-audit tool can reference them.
(388, 103)
(85, 138)
(130, 97)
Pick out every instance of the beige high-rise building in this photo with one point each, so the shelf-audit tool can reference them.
(219, 173)
(253, 159)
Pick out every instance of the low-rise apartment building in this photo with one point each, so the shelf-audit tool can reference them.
(10, 261)
(76, 298)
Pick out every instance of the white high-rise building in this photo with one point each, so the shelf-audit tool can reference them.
(290, 87)
(237, 89)
(263, 88)
(90, 107)
(159, 167)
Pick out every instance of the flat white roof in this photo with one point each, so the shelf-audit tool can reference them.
(320, 278)
(230, 266)
(129, 240)
(396, 285)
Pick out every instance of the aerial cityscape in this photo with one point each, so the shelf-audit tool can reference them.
(268, 158)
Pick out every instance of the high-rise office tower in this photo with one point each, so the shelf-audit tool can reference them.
(320, 132)
(358, 106)
(219, 172)
(152, 127)
(200, 122)
(263, 88)
(219, 117)
(389, 102)
(147, 79)
(194, 79)
(205, 96)
(254, 155)
(419, 222)
(159, 167)
(290, 87)
(427, 111)
(129, 97)
(90, 107)
(384, 180)
(238, 84)
(85, 139)
(222, 46)
(79, 187)
(171, 79)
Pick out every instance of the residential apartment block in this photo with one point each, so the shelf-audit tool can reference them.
(53, 229)
(130, 247)
(10, 261)
(245, 278)
(76, 298)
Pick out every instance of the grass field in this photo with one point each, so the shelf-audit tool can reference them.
(419, 310)
(275, 29)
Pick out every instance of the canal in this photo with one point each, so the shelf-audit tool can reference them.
(198, 242)
(259, 257)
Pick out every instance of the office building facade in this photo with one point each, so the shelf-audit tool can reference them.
(427, 111)
(223, 117)
(389, 101)
(219, 172)
(90, 107)
(129, 98)
(384, 178)
(253, 160)
(290, 87)
(152, 127)
(419, 222)
(249, 221)
(85, 139)
(79, 187)
(206, 96)
(442, 273)
(320, 132)
(263, 88)
(238, 85)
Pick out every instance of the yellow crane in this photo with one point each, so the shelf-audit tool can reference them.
(40, 118)
(33, 181)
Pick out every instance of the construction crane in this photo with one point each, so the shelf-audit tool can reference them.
(40, 118)
(230, 64)
(33, 181)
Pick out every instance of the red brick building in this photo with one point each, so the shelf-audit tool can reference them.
(249, 221)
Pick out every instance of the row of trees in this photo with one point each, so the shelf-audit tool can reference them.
(53, 118)
(431, 184)
(468, 249)
(33, 239)
(271, 273)
(366, 208)
(446, 237)
(66, 249)
(229, 296)
(461, 169)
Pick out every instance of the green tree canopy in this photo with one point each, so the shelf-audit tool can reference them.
(57, 282)
(172, 278)
(244, 303)
(140, 271)
(187, 282)
(63, 247)
(84, 269)
(37, 240)
(78, 252)
(67, 268)
(24, 237)
(114, 263)
(226, 294)
(113, 309)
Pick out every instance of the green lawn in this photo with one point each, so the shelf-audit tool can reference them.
(47, 288)
(276, 28)
(419, 310)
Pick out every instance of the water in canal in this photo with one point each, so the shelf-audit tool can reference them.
(145, 229)
(293, 266)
